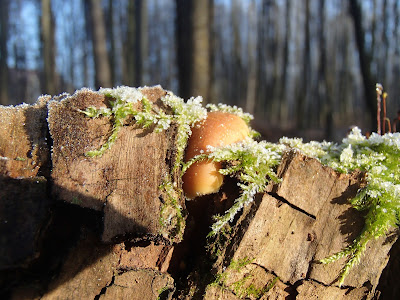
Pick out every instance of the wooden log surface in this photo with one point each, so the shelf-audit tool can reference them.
(24, 150)
(124, 182)
(93, 224)
(24, 169)
(303, 219)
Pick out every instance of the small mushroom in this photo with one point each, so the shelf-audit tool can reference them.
(217, 130)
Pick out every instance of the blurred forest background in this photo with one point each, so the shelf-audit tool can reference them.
(301, 67)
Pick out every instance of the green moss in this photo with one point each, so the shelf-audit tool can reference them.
(254, 163)
(236, 265)
(242, 288)
(379, 157)
(171, 213)
(126, 103)
(76, 200)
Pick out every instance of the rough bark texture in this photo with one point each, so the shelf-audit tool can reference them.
(286, 231)
(23, 140)
(24, 160)
(90, 229)
(54, 224)
(124, 182)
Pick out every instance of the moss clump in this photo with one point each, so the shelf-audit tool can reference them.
(379, 157)
(252, 162)
(126, 103)
(171, 212)
(241, 287)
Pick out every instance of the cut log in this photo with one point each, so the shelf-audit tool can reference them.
(303, 219)
(125, 181)
(23, 214)
(100, 222)
(94, 270)
(24, 160)
(24, 151)
(139, 285)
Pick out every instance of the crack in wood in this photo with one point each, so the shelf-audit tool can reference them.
(282, 199)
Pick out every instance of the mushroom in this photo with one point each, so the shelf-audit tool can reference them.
(217, 130)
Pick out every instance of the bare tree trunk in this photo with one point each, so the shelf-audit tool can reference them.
(213, 94)
(365, 61)
(236, 88)
(252, 50)
(110, 34)
(184, 45)
(284, 83)
(201, 49)
(322, 76)
(302, 114)
(193, 35)
(141, 40)
(3, 52)
(86, 44)
(129, 48)
(47, 37)
(101, 62)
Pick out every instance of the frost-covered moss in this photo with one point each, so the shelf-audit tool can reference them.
(254, 163)
(127, 102)
(379, 157)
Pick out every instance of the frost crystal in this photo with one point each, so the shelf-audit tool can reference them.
(254, 163)
(231, 109)
(346, 157)
(379, 157)
(124, 93)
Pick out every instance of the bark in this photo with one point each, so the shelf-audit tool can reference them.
(3, 52)
(101, 62)
(124, 182)
(286, 231)
(48, 44)
(129, 48)
(365, 61)
(24, 203)
(193, 47)
(62, 245)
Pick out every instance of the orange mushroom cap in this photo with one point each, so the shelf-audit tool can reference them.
(217, 130)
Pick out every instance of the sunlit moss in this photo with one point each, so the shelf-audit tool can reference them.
(242, 288)
(254, 163)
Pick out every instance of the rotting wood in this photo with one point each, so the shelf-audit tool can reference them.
(24, 151)
(303, 219)
(24, 161)
(94, 269)
(281, 234)
(124, 182)
(139, 285)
